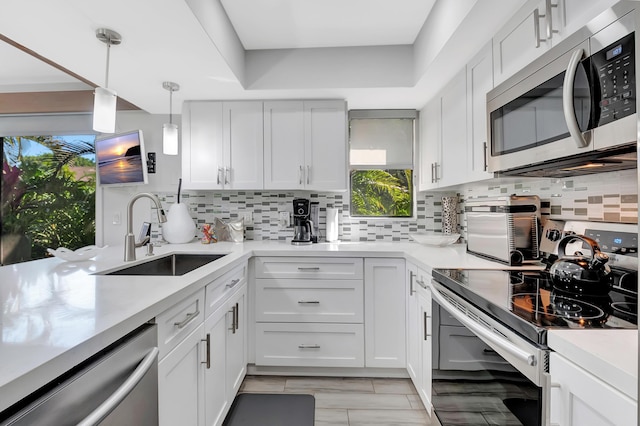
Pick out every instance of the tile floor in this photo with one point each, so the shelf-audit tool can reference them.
(351, 401)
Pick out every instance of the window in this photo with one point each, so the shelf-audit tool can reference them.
(48, 195)
(381, 162)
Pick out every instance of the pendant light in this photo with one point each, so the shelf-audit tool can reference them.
(170, 130)
(105, 99)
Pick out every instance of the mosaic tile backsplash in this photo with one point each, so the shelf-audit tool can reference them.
(610, 197)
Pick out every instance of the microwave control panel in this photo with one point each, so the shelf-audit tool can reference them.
(616, 71)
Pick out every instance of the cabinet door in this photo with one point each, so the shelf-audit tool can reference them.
(479, 82)
(571, 15)
(452, 168)
(325, 145)
(384, 313)
(579, 398)
(242, 134)
(515, 45)
(424, 303)
(217, 401)
(236, 342)
(181, 383)
(283, 145)
(202, 145)
(429, 146)
(414, 342)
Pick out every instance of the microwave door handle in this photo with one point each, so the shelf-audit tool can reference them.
(567, 100)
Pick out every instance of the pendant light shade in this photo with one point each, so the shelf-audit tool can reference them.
(170, 130)
(105, 99)
(104, 110)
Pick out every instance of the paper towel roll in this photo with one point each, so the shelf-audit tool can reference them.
(332, 224)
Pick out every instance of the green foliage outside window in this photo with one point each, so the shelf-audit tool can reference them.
(381, 193)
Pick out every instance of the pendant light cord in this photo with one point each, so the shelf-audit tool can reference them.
(171, 106)
(106, 73)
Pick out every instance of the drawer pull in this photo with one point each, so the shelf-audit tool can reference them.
(208, 341)
(190, 317)
(309, 269)
(308, 346)
(309, 302)
(233, 283)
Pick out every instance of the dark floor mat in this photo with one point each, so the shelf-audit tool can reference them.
(256, 409)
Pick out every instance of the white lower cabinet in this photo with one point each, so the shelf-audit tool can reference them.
(578, 398)
(419, 338)
(309, 312)
(225, 361)
(385, 314)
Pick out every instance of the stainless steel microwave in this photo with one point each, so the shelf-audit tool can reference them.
(573, 110)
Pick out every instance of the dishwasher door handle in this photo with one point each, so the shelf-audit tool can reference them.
(112, 402)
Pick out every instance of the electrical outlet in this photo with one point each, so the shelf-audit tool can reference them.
(248, 218)
(116, 219)
(284, 219)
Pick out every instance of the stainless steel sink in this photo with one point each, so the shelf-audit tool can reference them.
(172, 265)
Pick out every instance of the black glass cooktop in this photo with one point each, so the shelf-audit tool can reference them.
(527, 302)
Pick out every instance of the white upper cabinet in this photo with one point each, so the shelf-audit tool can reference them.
(222, 145)
(479, 82)
(443, 140)
(325, 126)
(242, 135)
(305, 145)
(202, 146)
(536, 27)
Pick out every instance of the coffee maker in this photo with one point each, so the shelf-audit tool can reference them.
(302, 224)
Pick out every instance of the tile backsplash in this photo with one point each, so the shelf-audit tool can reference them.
(608, 197)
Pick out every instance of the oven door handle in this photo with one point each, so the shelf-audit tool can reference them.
(567, 100)
(478, 330)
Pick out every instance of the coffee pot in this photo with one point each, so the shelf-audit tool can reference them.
(302, 224)
(579, 274)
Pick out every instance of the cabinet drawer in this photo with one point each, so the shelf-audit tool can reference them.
(309, 345)
(296, 300)
(177, 322)
(460, 349)
(309, 268)
(218, 289)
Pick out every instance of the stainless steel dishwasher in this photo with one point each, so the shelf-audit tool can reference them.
(117, 386)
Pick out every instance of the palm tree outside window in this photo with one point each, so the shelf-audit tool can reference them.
(381, 163)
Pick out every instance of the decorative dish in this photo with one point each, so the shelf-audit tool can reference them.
(83, 253)
(434, 238)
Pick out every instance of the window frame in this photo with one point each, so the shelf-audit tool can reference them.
(386, 114)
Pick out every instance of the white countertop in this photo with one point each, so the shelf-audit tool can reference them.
(55, 314)
(610, 355)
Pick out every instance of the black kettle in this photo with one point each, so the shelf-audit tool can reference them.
(581, 275)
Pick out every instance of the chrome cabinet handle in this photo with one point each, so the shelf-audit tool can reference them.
(411, 289)
(300, 171)
(208, 342)
(308, 302)
(233, 319)
(484, 157)
(308, 175)
(437, 174)
(123, 390)
(237, 316)
(422, 284)
(227, 173)
(190, 317)
(218, 177)
(425, 326)
(567, 100)
(549, 16)
(233, 283)
(536, 27)
(308, 269)
(308, 346)
(433, 178)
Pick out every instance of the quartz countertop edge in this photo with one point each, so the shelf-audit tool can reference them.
(603, 353)
(73, 312)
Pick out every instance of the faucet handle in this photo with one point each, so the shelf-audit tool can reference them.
(150, 249)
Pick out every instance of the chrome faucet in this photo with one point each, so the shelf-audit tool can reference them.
(129, 239)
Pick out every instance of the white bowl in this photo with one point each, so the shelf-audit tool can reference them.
(83, 253)
(434, 238)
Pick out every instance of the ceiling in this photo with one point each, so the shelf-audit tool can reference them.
(374, 53)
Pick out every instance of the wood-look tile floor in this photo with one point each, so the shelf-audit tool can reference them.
(351, 401)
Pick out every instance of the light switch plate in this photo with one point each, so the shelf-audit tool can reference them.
(248, 218)
(284, 219)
